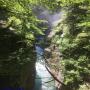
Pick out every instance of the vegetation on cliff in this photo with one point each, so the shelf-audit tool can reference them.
(19, 28)
(72, 37)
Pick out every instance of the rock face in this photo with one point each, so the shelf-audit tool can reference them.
(52, 55)
(17, 61)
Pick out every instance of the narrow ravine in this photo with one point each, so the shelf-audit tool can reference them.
(44, 80)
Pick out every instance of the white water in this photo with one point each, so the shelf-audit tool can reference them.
(44, 80)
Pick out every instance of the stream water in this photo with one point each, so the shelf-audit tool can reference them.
(43, 81)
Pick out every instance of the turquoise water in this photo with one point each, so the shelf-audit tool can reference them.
(43, 80)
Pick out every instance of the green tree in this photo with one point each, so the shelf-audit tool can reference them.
(74, 42)
(18, 30)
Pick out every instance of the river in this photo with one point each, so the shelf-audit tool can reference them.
(43, 80)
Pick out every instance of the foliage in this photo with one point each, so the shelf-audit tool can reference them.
(24, 21)
(18, 30)
(72, 36)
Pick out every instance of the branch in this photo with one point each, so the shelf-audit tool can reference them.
(49, 81)
(54, 76)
